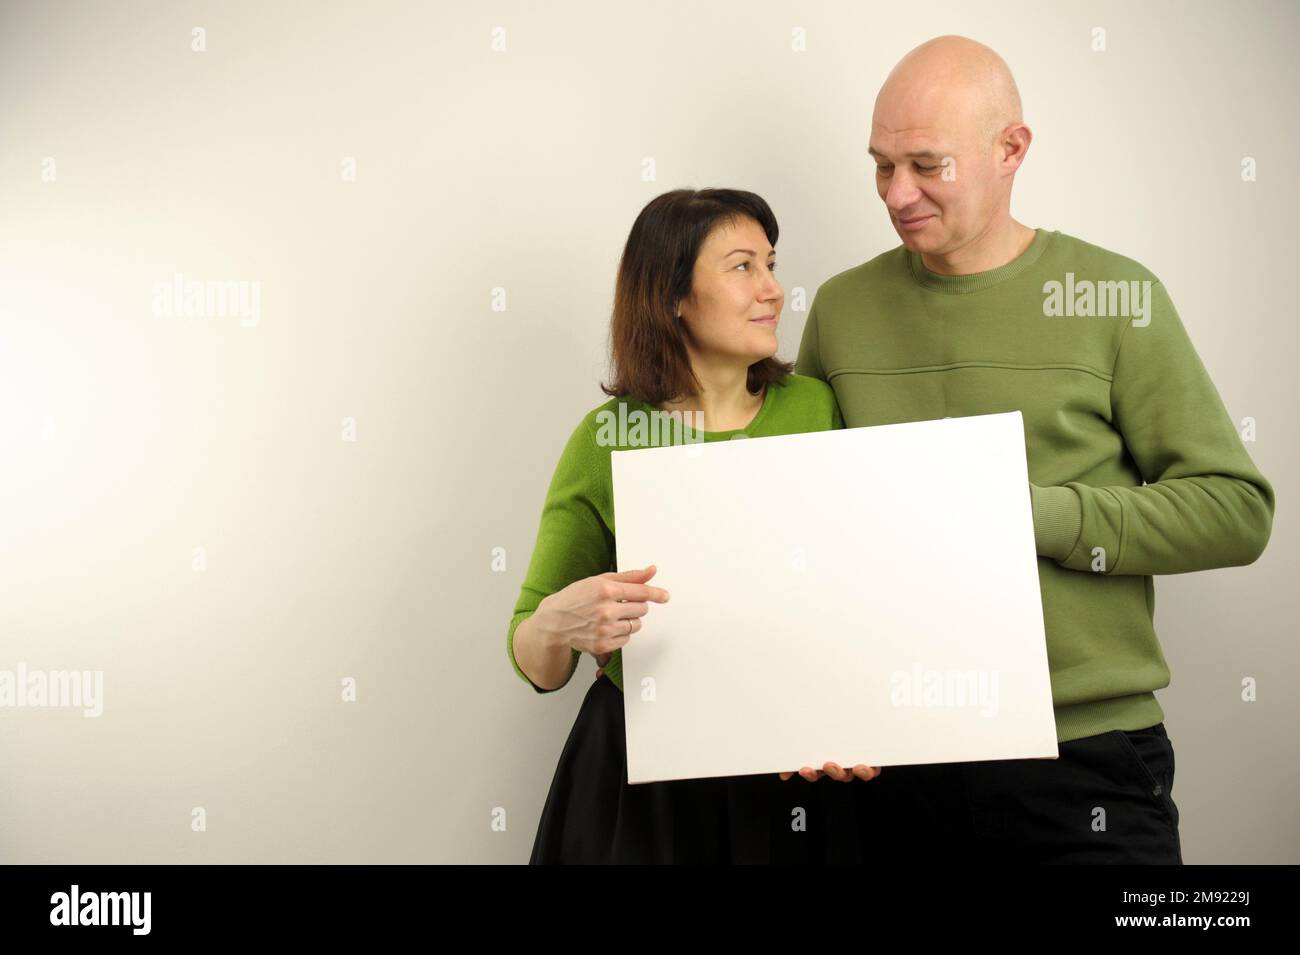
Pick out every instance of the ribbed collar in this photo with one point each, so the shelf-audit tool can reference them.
(978, 281)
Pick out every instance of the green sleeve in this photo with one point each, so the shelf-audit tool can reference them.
(809, 361)
(1204, 504)
(572, 539)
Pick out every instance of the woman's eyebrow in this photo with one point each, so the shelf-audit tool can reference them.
(749, 251)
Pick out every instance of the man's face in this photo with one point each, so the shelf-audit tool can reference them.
(936, 174)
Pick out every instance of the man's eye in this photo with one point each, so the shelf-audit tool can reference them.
(927, 168)
(884, 170)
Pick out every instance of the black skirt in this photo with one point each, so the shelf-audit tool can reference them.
(593, 816)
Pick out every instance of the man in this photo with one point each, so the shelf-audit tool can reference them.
(977, 313)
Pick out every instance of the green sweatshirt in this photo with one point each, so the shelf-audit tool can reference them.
(1135, 467)
(576, 536)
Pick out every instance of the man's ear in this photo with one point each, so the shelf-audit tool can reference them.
(1015, 145)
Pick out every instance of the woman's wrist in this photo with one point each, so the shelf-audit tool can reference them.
(547, 640)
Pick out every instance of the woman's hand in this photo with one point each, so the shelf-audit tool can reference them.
(865, 773)
(599, 614)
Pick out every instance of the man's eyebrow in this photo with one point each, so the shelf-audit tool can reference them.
(749, 251)
(918, 154)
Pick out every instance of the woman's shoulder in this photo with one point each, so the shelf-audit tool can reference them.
(807, 404)
(603, 420)
(806, 388)
(583, 463)
(603, 428)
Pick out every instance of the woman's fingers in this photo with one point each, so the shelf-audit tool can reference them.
(834, 771)
(631, 585)
(616, 588)
(638, 592)
(638, 575)
(860, 771)
(618, 632)
(625, 611)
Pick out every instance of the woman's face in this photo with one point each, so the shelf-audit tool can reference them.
(735, 301)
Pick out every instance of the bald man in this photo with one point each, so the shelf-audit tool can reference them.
(1135, 467)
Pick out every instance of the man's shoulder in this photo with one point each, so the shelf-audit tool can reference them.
(1097, 262)
(886, 266)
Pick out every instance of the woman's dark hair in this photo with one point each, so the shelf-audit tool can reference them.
(647, 340)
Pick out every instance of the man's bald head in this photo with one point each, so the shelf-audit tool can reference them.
(948, 136)
(954, 77)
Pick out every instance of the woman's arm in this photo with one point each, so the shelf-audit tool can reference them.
(572, 543)
(547, 664)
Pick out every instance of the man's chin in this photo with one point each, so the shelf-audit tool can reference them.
(914, 241)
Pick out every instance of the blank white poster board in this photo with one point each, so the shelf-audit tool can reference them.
(868, 595)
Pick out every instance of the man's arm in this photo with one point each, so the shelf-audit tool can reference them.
(809, 361)
(1204, 505)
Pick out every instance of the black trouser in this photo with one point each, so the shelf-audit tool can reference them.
(1106, 800)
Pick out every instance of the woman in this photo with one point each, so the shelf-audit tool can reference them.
(696, 307)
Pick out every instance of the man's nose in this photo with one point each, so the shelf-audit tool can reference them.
(902, 192)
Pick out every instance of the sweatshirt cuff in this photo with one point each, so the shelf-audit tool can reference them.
(1058, 518)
